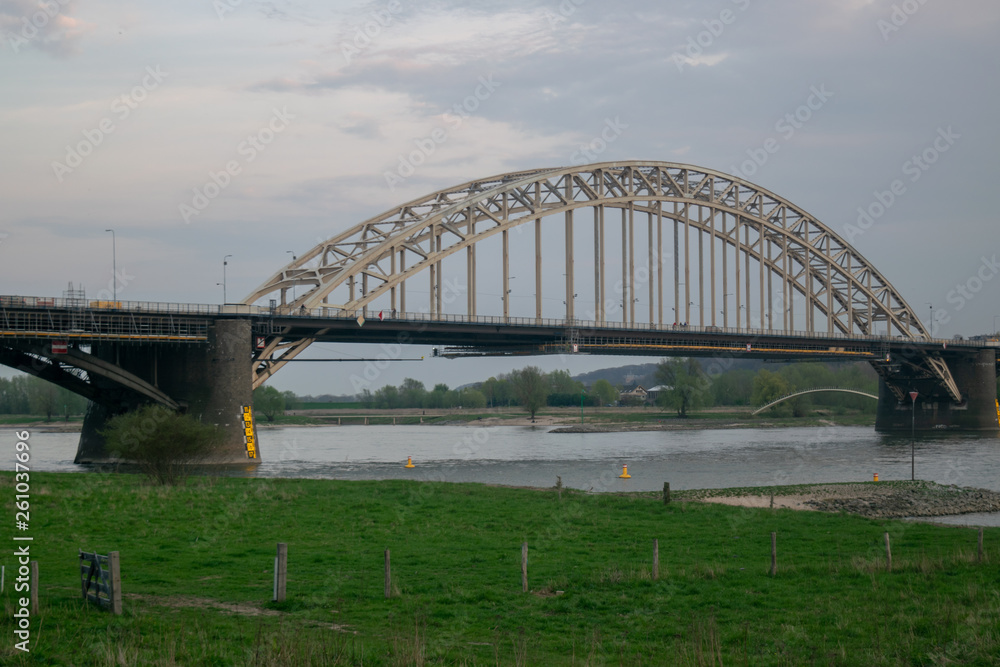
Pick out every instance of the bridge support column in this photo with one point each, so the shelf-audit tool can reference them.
(976, 377)
(212, 382)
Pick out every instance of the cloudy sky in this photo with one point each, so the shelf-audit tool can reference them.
(122, 115)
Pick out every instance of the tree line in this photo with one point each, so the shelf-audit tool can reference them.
(691, 387)
(29, 395)
(687, 386)
(528, 387)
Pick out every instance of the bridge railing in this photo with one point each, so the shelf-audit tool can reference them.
(582, 326)
(370, 315)
(156, 307)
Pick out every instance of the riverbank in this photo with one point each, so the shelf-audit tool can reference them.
(560, 420)
(875, 500)
(197, 567)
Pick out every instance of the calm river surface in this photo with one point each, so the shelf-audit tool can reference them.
(532, 456)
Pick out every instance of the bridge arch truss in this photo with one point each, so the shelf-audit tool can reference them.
(747, 255)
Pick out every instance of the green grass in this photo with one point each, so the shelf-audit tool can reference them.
(197, 568)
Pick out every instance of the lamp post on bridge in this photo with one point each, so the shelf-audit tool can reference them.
(114, 265)
(294, 258)
(224, 264)
(913, 423)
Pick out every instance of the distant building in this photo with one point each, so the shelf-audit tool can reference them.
(654, 393)
(632, 394)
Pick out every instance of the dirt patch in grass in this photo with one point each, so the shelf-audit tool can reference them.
(188, 602)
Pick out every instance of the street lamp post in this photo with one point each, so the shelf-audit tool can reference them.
(224, 265)
(114, 265)
(294, 258)
(913, 423)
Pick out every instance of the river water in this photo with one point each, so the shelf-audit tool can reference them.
(534, 456)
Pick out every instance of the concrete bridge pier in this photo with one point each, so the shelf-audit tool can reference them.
(975, 374)
(210, 381)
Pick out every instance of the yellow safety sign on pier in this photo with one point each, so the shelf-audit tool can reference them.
(248, 432)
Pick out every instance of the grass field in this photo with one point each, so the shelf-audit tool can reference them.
(197, 565)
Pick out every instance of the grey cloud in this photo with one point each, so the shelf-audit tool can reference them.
(44, 25)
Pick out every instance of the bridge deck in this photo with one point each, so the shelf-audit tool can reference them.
(48, 318)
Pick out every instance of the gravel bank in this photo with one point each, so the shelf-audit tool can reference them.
(876, 500)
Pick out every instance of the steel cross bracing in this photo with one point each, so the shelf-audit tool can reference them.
(771, 250)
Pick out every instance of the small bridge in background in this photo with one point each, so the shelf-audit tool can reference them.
(812, 391)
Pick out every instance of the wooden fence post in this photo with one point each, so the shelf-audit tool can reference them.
(656, 559)
(388, 576)
(979, 555)
(888, 554)
(281, 572)
(666, 493)
(774, 554)
(34, 587)
(116, 582)
(524, 567)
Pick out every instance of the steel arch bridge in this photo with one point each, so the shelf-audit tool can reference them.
(734, 238)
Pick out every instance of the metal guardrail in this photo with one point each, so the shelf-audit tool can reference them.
(370, 316)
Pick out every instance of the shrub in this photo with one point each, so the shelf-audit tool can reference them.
(160, 441)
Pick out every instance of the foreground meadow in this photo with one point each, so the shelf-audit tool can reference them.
(197, 574)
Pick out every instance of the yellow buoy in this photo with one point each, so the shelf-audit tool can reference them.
(409, 462)
(625, 474)
(876, 477)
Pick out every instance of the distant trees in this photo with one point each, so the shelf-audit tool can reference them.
(269, 402)
(687, 382)
(605, 393)
(412, 394)
(530, 387)
(496, 391)
(690, 388)
(767, 387)
(43, 398)
(292, 401)
(733, 388)
(29, 395)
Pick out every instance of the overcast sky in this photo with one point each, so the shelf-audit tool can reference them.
(117, 115)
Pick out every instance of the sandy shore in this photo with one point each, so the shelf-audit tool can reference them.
(881, 500)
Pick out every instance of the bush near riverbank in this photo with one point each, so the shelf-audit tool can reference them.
(197, 563)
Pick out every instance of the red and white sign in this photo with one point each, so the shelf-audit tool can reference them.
(913, 396)
(381, 316)
(59, 347)
(259, 342)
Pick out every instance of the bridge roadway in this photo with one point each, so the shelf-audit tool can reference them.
(41, 319)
